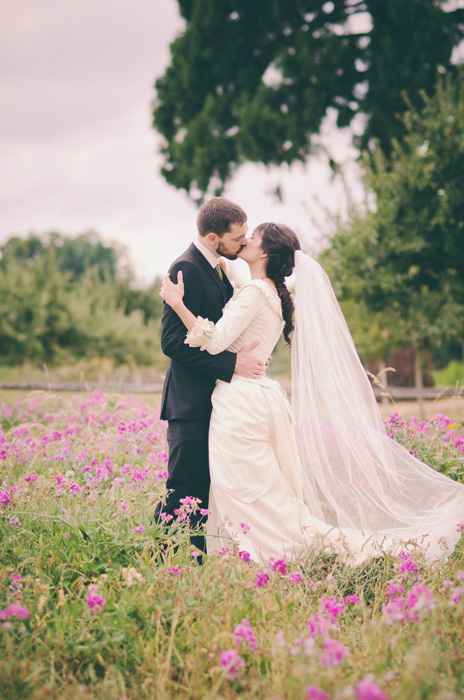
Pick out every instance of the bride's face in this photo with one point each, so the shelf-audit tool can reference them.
(252, 251)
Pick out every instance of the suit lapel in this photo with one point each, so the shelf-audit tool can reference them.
(225, 286)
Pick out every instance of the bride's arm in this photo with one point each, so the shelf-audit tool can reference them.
(173, 294)
(202, 333)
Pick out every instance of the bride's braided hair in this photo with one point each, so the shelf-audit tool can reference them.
(279, 242)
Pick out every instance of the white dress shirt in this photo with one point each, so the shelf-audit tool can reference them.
(211, 258)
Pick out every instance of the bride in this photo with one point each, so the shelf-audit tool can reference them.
(324, 476)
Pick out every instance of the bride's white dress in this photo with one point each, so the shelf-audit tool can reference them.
(257, 483)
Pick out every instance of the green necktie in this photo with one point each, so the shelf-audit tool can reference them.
(219, 271)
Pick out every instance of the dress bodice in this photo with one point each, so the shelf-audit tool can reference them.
(253, 313)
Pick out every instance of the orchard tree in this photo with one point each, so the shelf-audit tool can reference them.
(251, 80)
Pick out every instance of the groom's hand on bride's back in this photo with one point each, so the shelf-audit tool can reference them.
(247, 364)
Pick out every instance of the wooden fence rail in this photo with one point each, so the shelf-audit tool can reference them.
(396, 392)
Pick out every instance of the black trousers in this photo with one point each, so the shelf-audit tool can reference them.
(188, 470)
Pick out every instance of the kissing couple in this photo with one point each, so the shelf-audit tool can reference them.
(281, 481)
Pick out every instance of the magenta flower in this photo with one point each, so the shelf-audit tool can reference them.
(313, 692)
(393, 611)
(394, 590)
(15, 610)
(245, 528)
(94, 600)
(368, 690)
(30, 478)
(457, 594)
(351, 599)
(174, 570)
(122, 505)
(205, 511)
(333, 652)
(232, 663)
(139, 528)
(244, 556)
(262, 579)
(418, 599)
(279, 565)
(295, 577)
(318, 626)
(331, 606)
(244, 633)
(460, 526)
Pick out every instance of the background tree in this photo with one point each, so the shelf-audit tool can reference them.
(64, 299)
(252, 81)
(404, 258)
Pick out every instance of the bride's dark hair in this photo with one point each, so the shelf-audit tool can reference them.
(279, 242)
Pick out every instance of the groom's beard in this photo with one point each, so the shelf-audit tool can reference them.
(222, 250)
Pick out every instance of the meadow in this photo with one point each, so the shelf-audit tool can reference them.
(98, 602)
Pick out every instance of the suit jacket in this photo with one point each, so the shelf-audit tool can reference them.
(192, 373)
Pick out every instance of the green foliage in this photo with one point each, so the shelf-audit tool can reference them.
(451, 375)
(63, 299)
(253, 81)
(403, 258)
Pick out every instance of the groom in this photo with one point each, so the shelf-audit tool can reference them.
(192, 374)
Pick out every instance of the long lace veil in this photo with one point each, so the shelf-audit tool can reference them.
(355, 477)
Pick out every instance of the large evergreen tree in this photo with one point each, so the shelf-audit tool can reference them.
(251, 80)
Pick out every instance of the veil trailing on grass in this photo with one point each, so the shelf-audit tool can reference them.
(355, 477)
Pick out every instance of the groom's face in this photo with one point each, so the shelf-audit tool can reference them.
(231, 243)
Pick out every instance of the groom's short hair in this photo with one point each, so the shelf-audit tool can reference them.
(217, 216)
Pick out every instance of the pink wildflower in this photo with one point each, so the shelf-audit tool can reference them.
(245, 528)
(460, 526)
(139, 528)
(457, 594)
(30, 478)
(279, 565)
(368, 690)
(174, 570)
(205, 511)
(315, 693)
(351, 599)
(244, 556)
(318, 626)
(418, 599)
(261, 578)
(333, 652)
(15, 610)
(223, 550)
(244, 633)
(296, 576)
(122, 505)
(394, 590)
(94, 600)
(232, 663)
(331, 606)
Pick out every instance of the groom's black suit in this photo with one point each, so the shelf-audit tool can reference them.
(190, 380)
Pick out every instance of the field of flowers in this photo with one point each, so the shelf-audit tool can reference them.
(90, 608)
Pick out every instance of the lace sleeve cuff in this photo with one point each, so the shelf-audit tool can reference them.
(201, 333)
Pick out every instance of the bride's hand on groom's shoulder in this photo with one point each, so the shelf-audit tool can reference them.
(172, 293)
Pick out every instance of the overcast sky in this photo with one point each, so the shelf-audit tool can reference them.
(77, 151)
